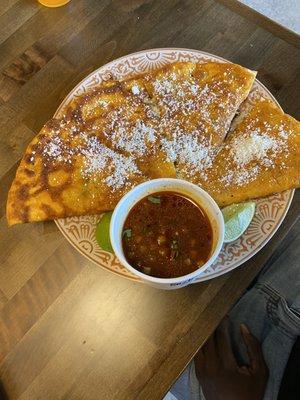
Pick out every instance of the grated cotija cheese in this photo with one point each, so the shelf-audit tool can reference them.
(253, 152)
(185, 149)
(255, 146)
(115, 167)
(135, 140)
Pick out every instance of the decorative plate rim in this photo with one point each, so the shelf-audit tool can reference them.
(148, 51)
(131, 277)
(204, 276)
(250, 255)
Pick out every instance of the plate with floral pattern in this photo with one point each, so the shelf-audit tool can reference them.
(270, 211)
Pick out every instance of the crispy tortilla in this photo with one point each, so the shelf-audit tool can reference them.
(260, 156)
(123, 133)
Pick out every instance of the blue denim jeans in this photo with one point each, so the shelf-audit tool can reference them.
(271, 309)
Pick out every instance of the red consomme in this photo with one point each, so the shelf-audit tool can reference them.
(167, 235)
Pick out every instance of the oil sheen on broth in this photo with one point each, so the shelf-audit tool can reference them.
(167, 235)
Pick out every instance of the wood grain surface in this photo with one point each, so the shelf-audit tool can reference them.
(69, 330)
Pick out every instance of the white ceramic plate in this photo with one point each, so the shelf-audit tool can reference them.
(270, 211)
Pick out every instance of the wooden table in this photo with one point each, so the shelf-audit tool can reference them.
(69, 330)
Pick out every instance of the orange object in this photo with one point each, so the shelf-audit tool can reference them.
(53, 3)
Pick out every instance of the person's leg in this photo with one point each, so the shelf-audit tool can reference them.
(271, 309)
(187, 385)
(273, 322)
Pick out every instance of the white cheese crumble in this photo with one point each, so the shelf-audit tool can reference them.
(135, 89)
(186, 150)
(256, 146)
(116, 168)
(136, 140)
